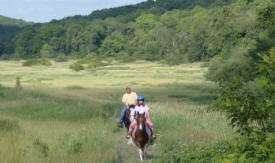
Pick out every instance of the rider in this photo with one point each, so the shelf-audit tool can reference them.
(141, 107)
(128, 99)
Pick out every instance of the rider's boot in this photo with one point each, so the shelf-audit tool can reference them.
(129, 134)
(120, 124)
(154, 136)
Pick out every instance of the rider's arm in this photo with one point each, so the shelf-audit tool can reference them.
(126, 105)
(136, 96)
(148, 114)
(124, 101)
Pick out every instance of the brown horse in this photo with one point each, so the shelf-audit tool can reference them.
(141, 134)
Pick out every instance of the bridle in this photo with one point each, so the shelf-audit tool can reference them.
(141, 121)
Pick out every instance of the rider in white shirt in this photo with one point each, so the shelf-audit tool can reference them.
(141, 108)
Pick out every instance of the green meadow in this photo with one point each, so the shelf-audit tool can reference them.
(59, 115)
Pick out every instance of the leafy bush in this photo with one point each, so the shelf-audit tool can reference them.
(77, 66)
(41, 147)
(247, 102)
(94, 63)
(18, 82)
(5, 57)
(33, 62)
(91, 63)
(76, 146)
(253, 148)
(61, 58)
(206, 154)
(8, 125)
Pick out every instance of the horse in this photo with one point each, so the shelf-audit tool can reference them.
(129, 116)
(141, 135)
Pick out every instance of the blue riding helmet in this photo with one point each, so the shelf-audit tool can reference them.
(141, 98)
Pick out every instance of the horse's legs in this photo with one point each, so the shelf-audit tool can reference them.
(145, 151)
(140, 154)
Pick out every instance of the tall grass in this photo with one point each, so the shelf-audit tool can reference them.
(69, 121)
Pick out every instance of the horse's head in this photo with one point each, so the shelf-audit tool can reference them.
(129, 114)
(131, 106)
(141, 120)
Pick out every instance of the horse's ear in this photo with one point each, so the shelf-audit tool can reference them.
(144, 113)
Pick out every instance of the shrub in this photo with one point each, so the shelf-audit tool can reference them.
(8, 125)
(33, 62)
(93, 63)
(250, 148)
(77, 66)
(210, 153)
(41, 147)
(18, 82)
(253, 148)
(76, 146)
(5, 57)
(61, 58)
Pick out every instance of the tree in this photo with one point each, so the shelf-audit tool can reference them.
(146, 21)
(113, 44)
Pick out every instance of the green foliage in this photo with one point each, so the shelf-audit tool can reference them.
(13, 22)
(146, 21)
(252, 148)
(150, 30)
(41, 147)
(244, 105)
(207, 154)
(247, 100)
(33, 62)
(113, 45)
(1, 91)
(76, 146)
(61, 58)
(18, 82)
(7, 44)
(46, 51)
(77, 66)
(8, 125)
(88, 62)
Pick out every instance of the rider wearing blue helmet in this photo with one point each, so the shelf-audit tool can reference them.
(141, 108)
(140, 98)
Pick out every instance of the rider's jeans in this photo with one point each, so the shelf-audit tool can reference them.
(122, 114)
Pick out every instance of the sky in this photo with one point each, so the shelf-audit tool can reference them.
(46, 10)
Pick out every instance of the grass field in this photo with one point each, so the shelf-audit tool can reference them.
(60, 115)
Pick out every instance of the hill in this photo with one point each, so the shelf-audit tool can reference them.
(82, 35)
(13, 22)
(8, 29)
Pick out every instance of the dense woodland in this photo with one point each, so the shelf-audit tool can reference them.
(8, 30)
(151, 30)
(236, 38)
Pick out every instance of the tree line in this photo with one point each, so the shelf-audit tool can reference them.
(151, 30)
